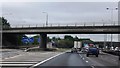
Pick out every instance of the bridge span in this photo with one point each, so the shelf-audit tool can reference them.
(43, 31)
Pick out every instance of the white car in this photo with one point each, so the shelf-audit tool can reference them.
(117, 49)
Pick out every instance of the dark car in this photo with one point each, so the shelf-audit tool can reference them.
(92, 51)
(73, 50)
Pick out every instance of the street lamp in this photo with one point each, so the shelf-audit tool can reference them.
(46, 18)
(111, 18)
(105, 40)
(112, 12)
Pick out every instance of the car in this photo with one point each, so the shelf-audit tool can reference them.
(117, 49)
(73, 50)
(92, 50)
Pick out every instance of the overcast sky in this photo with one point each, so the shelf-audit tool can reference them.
(59, 12)
(63, 13)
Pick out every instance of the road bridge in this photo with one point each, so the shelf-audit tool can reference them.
(43, 31)
(65, 30)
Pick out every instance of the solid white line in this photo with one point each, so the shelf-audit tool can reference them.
(15, 62)
(46, 60)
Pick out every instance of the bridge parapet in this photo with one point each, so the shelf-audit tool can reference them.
(61, 25)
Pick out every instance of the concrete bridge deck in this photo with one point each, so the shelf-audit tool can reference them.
(65, 29)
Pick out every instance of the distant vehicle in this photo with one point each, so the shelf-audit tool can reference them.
(85, 48)
(117, 49)
(73, 50)
(92, 50)
(77, 45)
(112, 48)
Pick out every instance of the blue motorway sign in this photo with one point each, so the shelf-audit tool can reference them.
(38, 40)
(31, 40)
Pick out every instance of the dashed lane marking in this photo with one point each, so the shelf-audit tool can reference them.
(86, 61)
(92, 66)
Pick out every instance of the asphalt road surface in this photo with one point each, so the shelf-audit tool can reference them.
(67, 60)
(74, 60)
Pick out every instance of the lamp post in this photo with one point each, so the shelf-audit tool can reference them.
(111, 9)
(105, 40)
(46, 18)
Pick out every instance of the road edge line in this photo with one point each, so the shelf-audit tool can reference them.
(46, 60)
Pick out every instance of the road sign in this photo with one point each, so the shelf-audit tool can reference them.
(31, 40)
(38, 40)
(25, 40)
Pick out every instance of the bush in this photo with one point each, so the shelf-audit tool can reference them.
(65, 44)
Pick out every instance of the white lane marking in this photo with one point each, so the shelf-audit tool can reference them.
(46, 60)
(80, 56)
(16, 64)
(9, 63)
(86, 61)
(83, 58)
(5, 62)
(92, 66)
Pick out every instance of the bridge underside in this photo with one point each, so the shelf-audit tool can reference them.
(11, 40)
(67, 33)
(43, 31)
(66, 30)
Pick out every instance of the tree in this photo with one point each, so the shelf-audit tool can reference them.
(54, 38)
(48, 39)
(36, 40)
(65, 44)
(19, 39)
(76, 38)
(5, 23)
(68, 37)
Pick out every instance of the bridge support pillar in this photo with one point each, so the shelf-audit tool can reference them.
(43, 41)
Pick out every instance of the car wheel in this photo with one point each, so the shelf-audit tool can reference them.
(97, 55)
(87, 55)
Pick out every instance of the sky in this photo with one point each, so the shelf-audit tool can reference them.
(61, 13)
(59, 0)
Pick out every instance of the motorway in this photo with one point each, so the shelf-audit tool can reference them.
(68, 60)
(71, 60)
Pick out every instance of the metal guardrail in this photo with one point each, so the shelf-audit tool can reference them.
(59, 25)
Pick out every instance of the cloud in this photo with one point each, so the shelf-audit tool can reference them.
(59, 0)
(29, 13)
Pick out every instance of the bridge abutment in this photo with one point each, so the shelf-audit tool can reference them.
(43, 41)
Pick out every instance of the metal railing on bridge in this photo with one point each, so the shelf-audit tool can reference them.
(60, 25)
